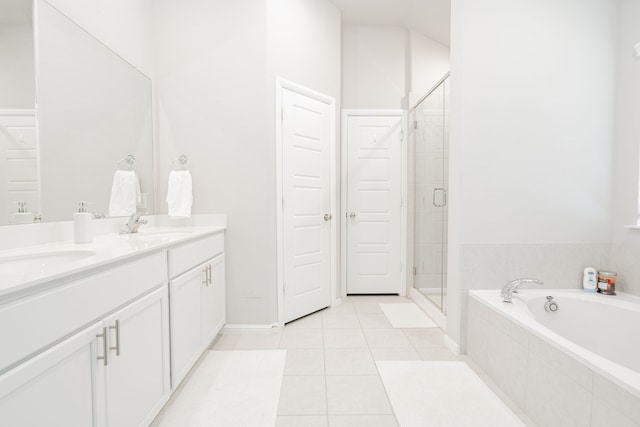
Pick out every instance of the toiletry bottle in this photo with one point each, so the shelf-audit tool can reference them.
(82, 232)
(590, 280)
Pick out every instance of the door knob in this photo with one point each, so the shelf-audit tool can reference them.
(352, 215)
(327, 217)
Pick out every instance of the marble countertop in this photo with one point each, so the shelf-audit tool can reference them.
(29, 267)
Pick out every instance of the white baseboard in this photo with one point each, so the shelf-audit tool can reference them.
(236, 328)
(451, 345)
(428, 307)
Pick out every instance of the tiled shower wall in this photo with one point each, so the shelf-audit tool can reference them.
(429, 147)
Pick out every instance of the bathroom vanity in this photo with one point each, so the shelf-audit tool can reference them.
(101, 334)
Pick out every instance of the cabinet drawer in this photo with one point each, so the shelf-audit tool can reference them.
(189, 255)
(35, 322)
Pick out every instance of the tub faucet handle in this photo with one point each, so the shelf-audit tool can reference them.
(551, 306)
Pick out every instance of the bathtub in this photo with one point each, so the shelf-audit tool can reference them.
(577, 366)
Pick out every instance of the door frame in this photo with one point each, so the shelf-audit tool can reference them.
(344, 159)
(282, 84)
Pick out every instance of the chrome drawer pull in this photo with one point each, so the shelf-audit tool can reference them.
(105, 347)
(117, 347)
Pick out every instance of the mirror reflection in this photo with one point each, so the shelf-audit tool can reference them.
(19, 184)
(93, 111)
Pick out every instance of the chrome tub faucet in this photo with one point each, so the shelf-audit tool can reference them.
(512, 287)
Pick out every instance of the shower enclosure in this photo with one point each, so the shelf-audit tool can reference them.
(429, 125)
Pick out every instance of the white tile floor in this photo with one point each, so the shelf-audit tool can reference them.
(330, 375)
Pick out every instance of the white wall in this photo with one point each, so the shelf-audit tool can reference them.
(17, 73)
(211, 84)
(536, 120)
(430, 61)
(382, 64)
(303, 46)
(216, 63)
(303, 39)
(531, 133)
(626, 243)
(123, 25)
(374, 62)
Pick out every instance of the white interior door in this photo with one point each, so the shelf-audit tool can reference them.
(306, 181)
(19, 177)
(374, 204)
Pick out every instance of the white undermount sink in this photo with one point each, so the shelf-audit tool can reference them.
(41, 260)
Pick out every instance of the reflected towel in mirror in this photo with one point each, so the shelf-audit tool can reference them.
(180, 194)
(125, 193)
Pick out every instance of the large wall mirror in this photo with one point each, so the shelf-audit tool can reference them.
(71, 111)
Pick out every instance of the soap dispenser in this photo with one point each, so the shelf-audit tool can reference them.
(82, 232)
(22, 216)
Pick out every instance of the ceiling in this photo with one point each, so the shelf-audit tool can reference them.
(429, 17)
(15, 12)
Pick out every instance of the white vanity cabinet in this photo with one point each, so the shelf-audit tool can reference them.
(137, 382)
(106, 346)
(58, 387)
(197, 301)
(115, 373)
(213, 301)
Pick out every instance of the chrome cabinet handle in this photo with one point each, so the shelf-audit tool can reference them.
(105, 347)
(209, 274)
(327, 217)
(117, 347)
(352, 215)
(444, 198)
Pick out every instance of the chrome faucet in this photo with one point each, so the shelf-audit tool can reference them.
(512, 287)
(133, 224)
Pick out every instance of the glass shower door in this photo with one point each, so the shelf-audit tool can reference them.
(431, 152)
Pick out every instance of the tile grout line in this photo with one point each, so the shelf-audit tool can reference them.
(324, 366)
(386, 393)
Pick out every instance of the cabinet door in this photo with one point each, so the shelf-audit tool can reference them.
(60, 387)
(213, 301)
(186, 322)
(137, 375)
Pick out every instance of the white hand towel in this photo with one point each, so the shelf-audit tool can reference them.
(125, 193)
(180, 194)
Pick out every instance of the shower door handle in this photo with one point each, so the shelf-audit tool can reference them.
(443, 191)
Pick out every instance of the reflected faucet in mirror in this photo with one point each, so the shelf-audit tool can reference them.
(23, 216)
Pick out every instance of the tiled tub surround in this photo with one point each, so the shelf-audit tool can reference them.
(624, 259)
(492, 265)
(559, 265)
(554, 381)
